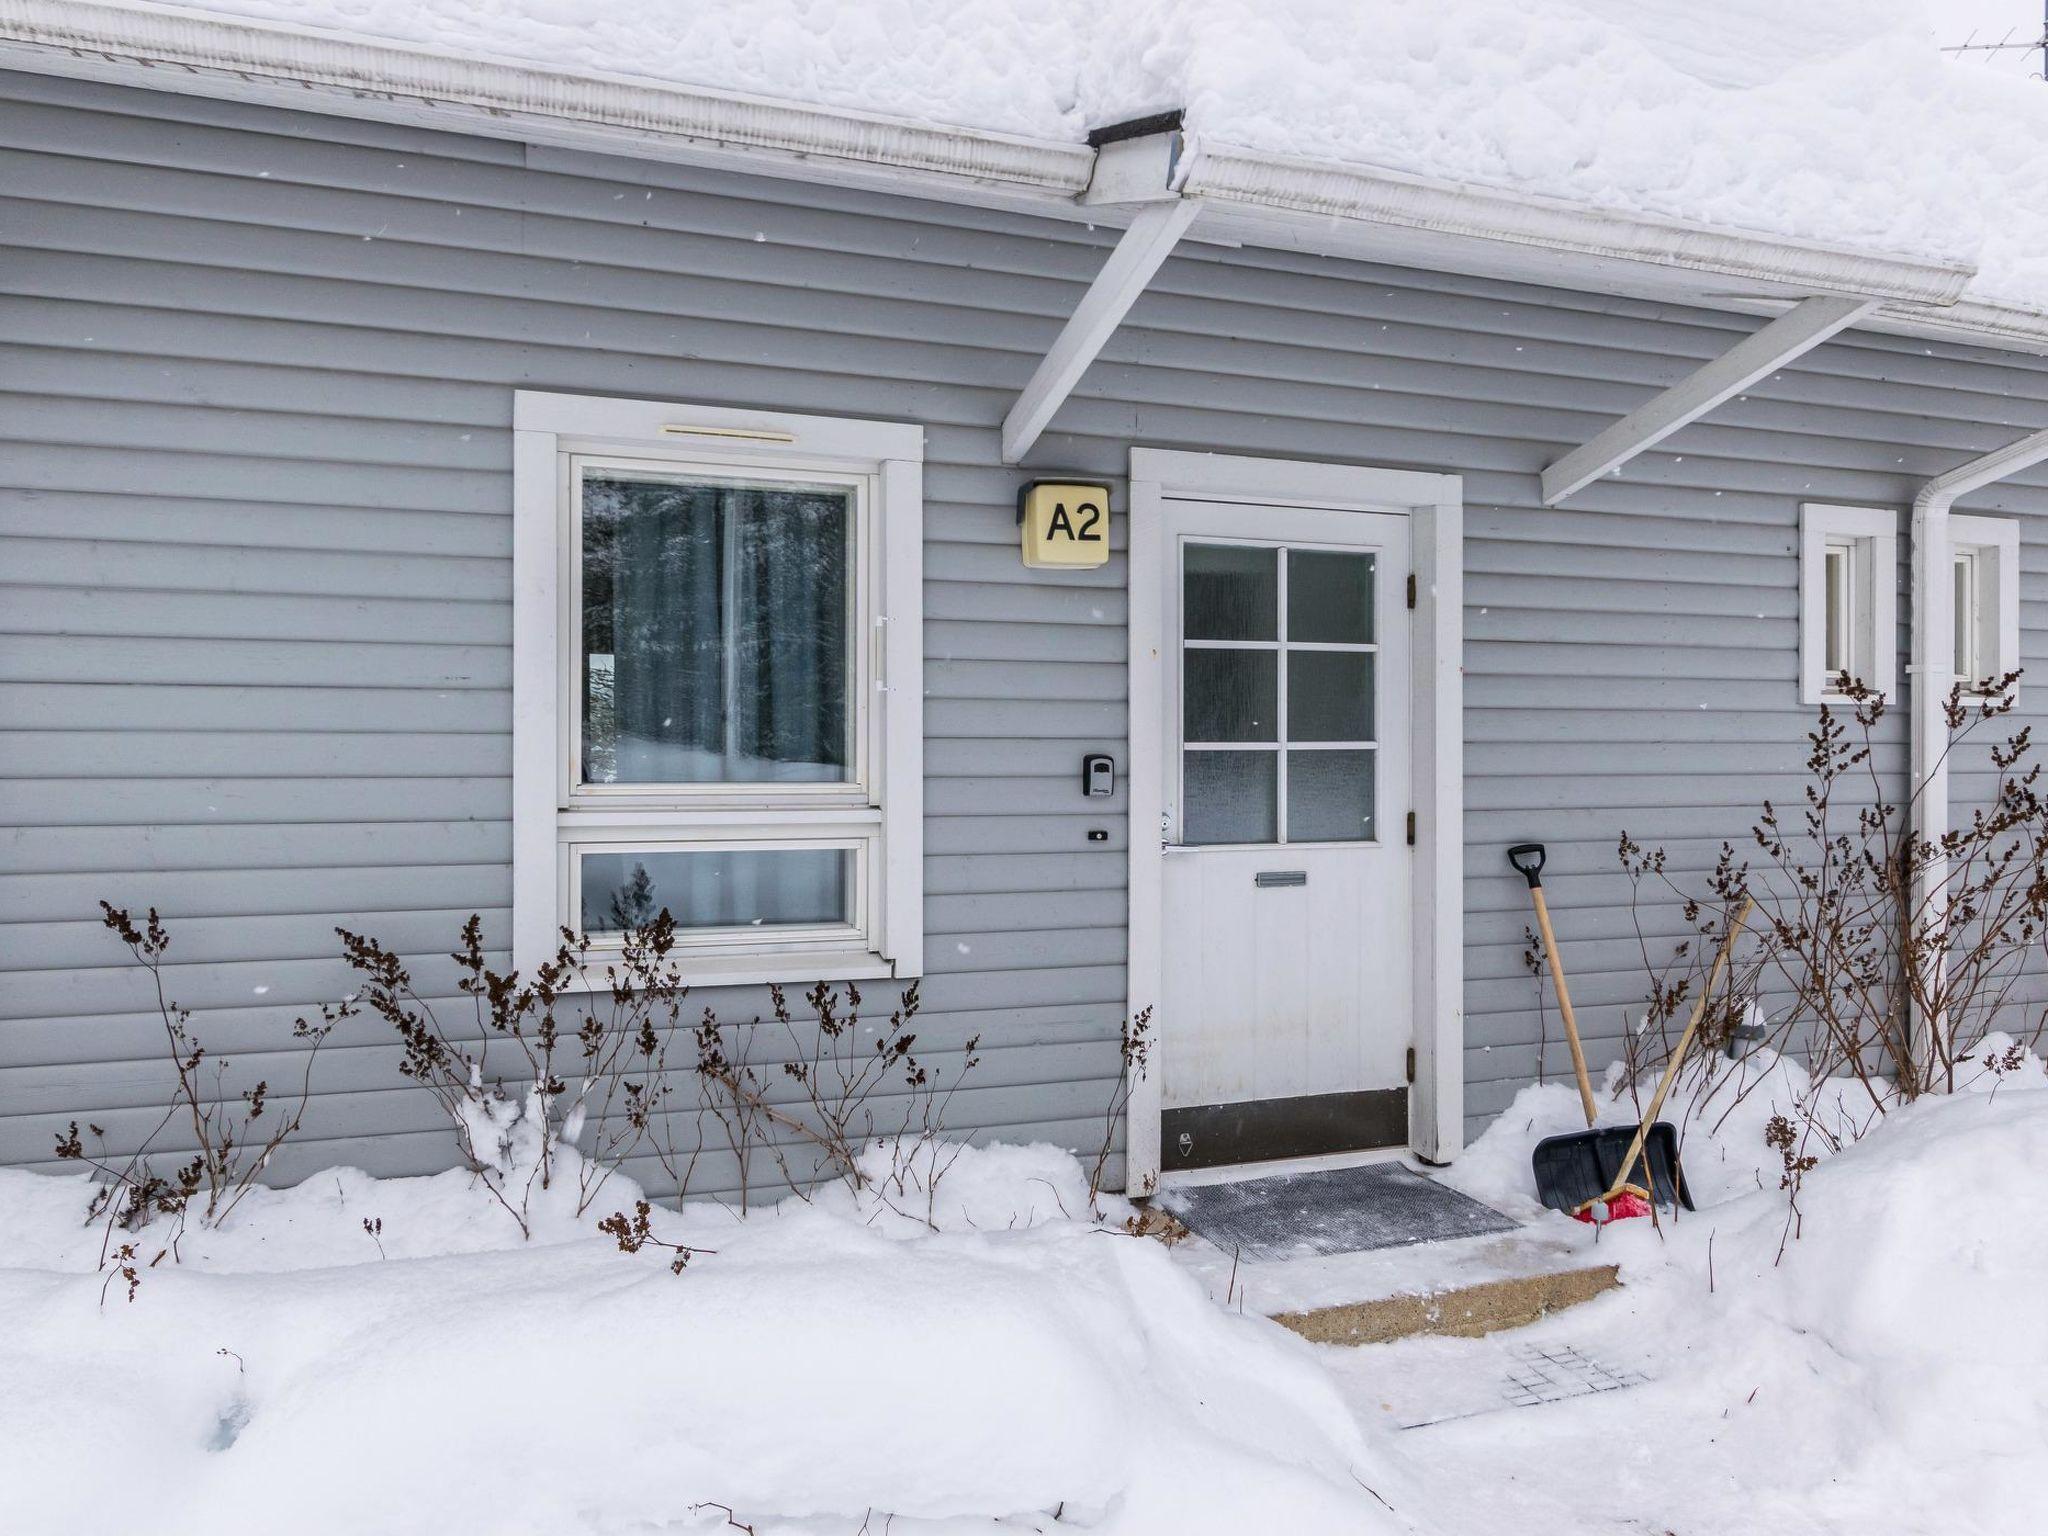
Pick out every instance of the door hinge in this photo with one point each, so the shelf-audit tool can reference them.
(1411, 589)
(1411, 829)
(1411, 1063)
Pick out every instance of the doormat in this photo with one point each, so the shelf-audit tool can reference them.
(1331, 1210)
(1537, 1375)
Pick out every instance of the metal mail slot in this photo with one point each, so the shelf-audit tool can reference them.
(1281, 877)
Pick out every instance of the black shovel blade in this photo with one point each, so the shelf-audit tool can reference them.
(1582, 1165)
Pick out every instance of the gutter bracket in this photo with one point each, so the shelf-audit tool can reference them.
(1145, 245)
(1800, 329)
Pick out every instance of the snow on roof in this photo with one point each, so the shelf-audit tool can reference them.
(1835, 121)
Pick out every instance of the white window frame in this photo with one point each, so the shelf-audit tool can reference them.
(878, 813)
(1868, 539)
(1992, 546)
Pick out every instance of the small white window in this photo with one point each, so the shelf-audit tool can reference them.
(717, 690)
(1987, 605)
(1848, 600)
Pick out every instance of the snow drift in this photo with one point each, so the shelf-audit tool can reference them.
(827, 1360)
(1872, 1364)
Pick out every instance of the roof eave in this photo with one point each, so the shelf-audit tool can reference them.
(1259, 199)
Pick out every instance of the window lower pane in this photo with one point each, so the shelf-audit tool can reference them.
(717, 887)
(1230, 797)
(715, 629)
(1330, 797)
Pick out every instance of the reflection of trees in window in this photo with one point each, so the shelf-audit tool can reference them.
(632, 905)
(714, 632)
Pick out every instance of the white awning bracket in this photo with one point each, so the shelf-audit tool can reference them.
(1152, 235)
(1800, 329)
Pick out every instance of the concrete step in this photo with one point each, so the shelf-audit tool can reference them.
(1461, 1311)
(1463, 1287)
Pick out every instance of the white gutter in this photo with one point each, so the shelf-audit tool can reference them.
(1259, 198)
(1934, 676)
(342, 73)
(1222, 173)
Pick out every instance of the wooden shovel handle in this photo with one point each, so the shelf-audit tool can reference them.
(1699, 1011)
(1564, 1002)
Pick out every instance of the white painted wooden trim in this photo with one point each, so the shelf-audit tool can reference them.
(1146, 635)
(1999, 539)
(638, 424)
(1152, 235)
(1437, 732)
(899, 609)
(1875, 531)
(548, 428)
(1800, 329)
(1436, 1102)
(536, 734)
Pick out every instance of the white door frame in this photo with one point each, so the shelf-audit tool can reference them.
(1435, 505)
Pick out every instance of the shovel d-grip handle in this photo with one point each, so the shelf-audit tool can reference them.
(1528, 861)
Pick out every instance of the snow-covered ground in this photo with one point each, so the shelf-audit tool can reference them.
(826, 1362)
(1830, 120)
(1022, 1368)
(1887, 1374)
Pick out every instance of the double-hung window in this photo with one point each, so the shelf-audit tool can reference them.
(1985, 556)
(717, 690)
(1848, 600)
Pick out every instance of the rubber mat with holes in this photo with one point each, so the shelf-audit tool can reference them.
(1330, 1210)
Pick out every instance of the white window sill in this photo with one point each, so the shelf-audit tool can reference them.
(792, 971)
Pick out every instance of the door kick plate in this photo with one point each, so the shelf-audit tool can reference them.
(1281, 877)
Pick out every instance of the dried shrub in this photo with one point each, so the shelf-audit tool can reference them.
(619, 1018)
(841, 1076)
(1134, 1050)
(233, 1136)
(1887, 957)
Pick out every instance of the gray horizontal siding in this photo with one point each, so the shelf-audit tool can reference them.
(255, 503)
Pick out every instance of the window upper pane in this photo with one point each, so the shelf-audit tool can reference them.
(1839, 621)
(715, 630)
(1967, 667)
(1230, 592)
(1329, 596)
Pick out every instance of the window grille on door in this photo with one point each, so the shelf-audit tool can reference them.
(1278, 664)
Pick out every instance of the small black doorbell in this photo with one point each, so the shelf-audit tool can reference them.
(1098, 774)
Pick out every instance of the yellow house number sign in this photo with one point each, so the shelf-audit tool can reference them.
(1066, 523)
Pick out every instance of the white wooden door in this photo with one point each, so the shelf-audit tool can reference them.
(1285, 886)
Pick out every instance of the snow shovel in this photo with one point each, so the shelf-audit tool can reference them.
(1619, 1198)
(1579, 1167)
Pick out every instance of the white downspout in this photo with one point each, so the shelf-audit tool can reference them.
(1932, 670)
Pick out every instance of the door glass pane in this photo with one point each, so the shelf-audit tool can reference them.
(1329, 695)
(717, 887)
(1329, 797)
(1229, 797)
(1229, 592)
(1329, 596)
(715, 631)
(1230, 696)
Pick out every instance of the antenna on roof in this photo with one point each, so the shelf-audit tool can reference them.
(2006, 44)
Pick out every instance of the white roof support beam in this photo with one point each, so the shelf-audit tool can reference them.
(1144, 247)
(1799, 330)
